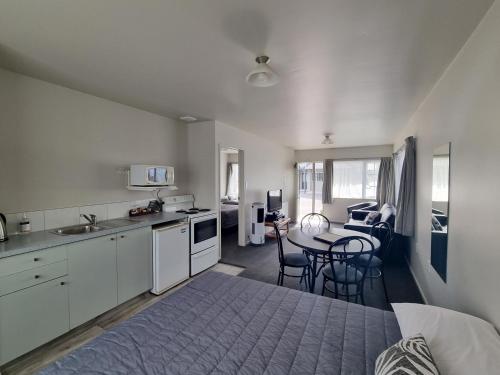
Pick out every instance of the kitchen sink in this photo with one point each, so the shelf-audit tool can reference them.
(79, 229)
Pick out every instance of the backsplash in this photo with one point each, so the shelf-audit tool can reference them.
(61, 217)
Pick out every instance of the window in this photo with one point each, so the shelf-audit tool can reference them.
(355, 178)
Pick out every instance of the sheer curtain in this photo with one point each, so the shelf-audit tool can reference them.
(232, 181)
(348, 179)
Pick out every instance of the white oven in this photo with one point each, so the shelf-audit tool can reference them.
(204, 243)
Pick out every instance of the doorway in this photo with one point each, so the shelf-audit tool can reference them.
(310, 180)
(231, 198)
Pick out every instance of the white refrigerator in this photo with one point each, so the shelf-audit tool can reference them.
(170, 256)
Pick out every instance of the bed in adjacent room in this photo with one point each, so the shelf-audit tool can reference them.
(229, 214)
(226, 324)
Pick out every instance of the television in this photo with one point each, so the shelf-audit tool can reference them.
(274, 200)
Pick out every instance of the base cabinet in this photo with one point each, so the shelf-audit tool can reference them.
(46, 293)
(92, 278)
(134, 261)
(32, 317)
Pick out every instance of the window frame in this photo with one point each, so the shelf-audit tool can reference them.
(364, 177)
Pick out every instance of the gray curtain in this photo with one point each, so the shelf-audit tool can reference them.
(327, 181)
(385, 182)
(405, 216)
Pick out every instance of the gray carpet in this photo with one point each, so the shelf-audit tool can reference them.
(261, 263)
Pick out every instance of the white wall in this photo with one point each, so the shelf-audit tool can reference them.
(337, 211)
(201, 162)
(61, 148)
(267, 166)
(463, 108)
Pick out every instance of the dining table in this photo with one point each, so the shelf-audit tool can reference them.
(305, 239)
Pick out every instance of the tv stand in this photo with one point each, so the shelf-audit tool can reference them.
(283, 225)
(273, 216)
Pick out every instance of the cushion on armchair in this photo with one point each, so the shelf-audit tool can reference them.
(372, 217)
(387, 212)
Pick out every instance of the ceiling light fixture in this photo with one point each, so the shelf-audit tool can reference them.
(328, 140)
(262, 75)
(188, 118)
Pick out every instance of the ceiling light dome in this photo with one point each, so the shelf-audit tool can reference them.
(328, 140)
(262, 75)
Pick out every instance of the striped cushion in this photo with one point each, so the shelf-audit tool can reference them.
(408, 356)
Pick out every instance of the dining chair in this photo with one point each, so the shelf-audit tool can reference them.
(344, 269)
(292, 260)
(375, 266)
(316, 222)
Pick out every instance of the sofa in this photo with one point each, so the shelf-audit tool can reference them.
(358, 221)
(361, 220)
(366, 206)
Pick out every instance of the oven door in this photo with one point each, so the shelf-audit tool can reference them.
(203, 233)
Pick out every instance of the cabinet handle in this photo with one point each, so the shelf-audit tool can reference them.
(112, 239)
(37, 276)
(63, 283)
(36, 259)
(122, 236)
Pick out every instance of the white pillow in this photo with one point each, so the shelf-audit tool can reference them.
(459, 343)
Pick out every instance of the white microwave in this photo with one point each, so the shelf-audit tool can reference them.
(151, 175)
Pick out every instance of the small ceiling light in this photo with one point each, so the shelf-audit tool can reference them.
(262, 75)
(188, 118)
(328, 140)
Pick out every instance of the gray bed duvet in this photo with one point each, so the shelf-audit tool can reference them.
(221, 324)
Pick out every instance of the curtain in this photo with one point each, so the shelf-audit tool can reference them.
(385, 182)
(232, 181)
(398, 158)
(327, 181)
(405, 216)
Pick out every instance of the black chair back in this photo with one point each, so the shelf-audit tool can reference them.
(315, 221)
(281, 255)
(341, 254)
(383, 232)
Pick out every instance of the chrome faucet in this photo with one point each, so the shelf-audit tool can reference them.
(91, 218)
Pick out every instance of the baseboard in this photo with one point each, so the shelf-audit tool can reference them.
(416, 281)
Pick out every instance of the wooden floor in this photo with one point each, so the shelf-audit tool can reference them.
(46, 354)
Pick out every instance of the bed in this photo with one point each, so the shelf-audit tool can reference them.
(222, 324)
(229, 214)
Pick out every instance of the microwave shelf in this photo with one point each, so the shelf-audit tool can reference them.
(152, 188)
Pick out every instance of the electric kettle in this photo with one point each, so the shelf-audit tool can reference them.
(3, 228)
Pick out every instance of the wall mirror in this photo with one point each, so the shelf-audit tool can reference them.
(440, 208)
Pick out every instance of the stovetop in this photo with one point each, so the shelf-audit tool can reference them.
(194, 210)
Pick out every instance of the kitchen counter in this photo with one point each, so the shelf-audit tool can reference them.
(25, 243)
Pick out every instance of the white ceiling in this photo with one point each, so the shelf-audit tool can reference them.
(356, 68)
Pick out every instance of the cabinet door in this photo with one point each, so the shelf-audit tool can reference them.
(32, 316)
(134, 263)
(92, 283)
